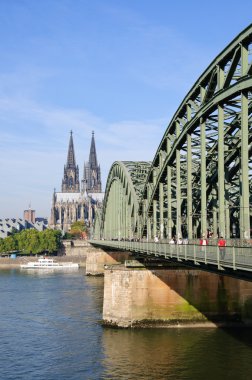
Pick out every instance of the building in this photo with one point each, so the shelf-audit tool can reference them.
(29, 215)
(70, 181)
(92, 172)
(72, 203)
(8, 226)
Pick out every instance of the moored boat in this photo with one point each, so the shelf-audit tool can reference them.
(46, 263)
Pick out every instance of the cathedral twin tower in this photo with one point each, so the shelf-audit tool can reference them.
(91, 182)
(76, 202)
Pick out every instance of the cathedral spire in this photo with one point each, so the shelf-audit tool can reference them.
(71, 155)
(92, 154)
(92, 171)
(70, 182)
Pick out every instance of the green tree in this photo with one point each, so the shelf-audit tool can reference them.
(10, 244)
(68, 236)
(32, 241)
(2, 245)
(23, 241)
(51, 240)
(78, 229)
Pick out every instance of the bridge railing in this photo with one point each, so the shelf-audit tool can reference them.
(236, 258)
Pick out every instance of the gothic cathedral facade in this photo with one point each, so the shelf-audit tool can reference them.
(74, 203)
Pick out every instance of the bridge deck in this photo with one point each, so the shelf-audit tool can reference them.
(236, 261)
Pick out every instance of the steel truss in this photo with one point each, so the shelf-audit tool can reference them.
(119, 218)
(201, 177)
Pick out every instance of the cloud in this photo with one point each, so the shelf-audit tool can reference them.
(34, 149)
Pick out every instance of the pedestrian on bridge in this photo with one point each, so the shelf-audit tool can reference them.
(172, 241)
(203, 241)
(179, 241)
(203, 244)
(222, 247)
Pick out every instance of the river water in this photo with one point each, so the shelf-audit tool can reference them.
(50, 329)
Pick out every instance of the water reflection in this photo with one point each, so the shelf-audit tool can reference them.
(49, 330)
(175, 354)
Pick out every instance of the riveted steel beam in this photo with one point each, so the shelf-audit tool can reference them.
(201, 177)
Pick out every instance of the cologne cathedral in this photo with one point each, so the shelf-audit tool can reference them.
(76, 202)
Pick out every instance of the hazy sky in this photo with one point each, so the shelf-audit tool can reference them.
(120, 68)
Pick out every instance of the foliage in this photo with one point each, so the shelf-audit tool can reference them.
(79, 229)
(10, 243)
(32, 241)
(79, 226)
(68, 236)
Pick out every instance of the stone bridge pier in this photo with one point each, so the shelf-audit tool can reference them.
(174, 297)
(98, 259)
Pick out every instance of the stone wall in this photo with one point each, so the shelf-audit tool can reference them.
(98, 258)
(74, 248)
(174, 297)
(76, 251)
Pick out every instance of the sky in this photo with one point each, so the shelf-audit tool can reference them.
(118, 68)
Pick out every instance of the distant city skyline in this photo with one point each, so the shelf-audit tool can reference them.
(117, 68)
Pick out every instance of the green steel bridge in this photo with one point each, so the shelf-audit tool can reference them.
(200, 180)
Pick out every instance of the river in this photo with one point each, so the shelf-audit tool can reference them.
(50, 329)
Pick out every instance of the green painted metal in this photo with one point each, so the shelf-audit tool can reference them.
(236, 261)
(200, 180)
(221, 173)
(120, 213)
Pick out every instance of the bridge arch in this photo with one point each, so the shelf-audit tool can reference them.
(120, 217)
(200, 179)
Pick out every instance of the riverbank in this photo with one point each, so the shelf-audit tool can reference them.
(9, 263)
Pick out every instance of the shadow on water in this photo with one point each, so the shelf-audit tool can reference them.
(55, 318)
(242, 335)
(174, 354)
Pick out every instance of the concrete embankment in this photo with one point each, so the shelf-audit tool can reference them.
(72, 250)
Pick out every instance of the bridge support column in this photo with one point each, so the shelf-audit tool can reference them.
(161, 210)
(154, 232)
(178, 186)
(189, 179)
(203, 178)
(245, 214)
(174, 298)
(149, 237)
(221, 172)
(169, 193)
(97, 258)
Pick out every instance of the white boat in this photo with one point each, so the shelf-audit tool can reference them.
(45, 263)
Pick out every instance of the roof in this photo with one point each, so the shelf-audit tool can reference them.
(78, 197)
(97, 196)
(69, 197)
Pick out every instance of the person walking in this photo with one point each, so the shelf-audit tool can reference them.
(222, 247)
(179, 241)
(172, 243)
(203, 243)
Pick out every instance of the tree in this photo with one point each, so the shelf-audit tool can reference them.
(79, 229)
(32, 241)
(51, 240)
(1, 245)
(10, 244)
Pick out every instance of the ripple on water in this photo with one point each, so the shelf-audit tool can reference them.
(49, 330)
